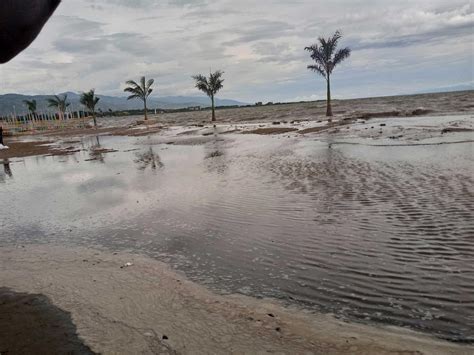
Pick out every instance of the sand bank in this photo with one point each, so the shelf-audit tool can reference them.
(148, 308)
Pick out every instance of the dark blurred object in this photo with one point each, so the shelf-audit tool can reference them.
(20, 23)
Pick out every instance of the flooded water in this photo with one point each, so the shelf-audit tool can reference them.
(374, 233)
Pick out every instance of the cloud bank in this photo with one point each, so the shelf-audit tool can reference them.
(398, 47)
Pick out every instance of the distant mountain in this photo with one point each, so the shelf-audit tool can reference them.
(11, 103)
(460, 87)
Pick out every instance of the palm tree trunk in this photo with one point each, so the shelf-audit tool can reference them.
(146, 116)
(328, 104)
(213, 109)
(93, 117)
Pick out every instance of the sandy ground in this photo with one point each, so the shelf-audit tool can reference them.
(402, 106)
(65, 142)
(146, 308)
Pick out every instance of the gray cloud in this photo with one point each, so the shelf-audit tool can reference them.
(102, 43)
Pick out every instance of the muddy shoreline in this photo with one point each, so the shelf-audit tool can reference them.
(127, 303)
(149, 308)
(64, 142)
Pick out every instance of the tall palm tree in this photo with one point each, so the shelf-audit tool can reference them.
(32, 107)
(60, 103)
(89, 100)
(326, 56)
(210, 86)
(140, 91)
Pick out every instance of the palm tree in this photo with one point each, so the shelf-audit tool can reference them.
(326, 57)
(32, 106)
(59, 103)
(210, 86)
(140, 91)
(89, 100)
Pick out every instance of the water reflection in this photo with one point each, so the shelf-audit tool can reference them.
(148, 159)
(6, 168)
(362, 232)
(7, 172)
(215, 158)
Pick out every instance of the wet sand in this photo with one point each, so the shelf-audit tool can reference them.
(148, 308)
(25, 149)
(271, 130)
(401, 106)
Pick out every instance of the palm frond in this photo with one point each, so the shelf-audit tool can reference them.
(132, 83)
(325, 56)
(134, 96)
(210, 86)
(31, 105)
(341, 55)
(216, 81)
(132, 90)
(89, 100)
(318, 69)
(150, 83)
(139, 90)
(58, 102)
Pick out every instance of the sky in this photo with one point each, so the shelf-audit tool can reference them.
(398, 46)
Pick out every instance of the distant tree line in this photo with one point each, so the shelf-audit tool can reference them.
(324, 53)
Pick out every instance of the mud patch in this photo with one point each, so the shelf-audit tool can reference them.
(271, 130)
(26, 149)
(315, 129)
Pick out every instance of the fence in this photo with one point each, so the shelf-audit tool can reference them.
(13, 127)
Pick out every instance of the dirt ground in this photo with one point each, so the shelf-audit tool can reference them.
(271, 130)
(24, 149)
(392, 106)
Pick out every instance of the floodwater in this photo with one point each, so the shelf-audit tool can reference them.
(377, 233)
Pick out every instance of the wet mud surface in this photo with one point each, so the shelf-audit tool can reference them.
(371, 222)
(395, 106)
(124, 303)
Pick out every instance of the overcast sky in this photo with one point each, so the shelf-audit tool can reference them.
(399, 46)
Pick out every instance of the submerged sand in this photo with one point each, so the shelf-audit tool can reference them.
(148, 308)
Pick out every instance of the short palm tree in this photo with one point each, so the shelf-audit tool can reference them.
(89, 100)
(210, 86)
(60, 103)
(32, 107)
(140, 91)
(326, 56)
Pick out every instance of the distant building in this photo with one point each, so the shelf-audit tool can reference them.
(194, 108)
(259, 103)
